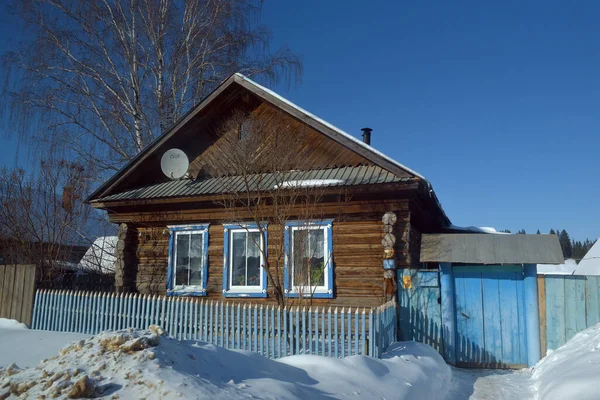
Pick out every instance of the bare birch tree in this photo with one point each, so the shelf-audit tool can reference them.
(103, 78)
(266, 183)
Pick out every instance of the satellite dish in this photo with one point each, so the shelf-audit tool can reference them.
(174, 163)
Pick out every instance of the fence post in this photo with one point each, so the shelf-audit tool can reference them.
(371, 350)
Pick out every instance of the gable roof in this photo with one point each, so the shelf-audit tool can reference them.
(376, 157)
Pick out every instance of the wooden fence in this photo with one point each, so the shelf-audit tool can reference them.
(271, 331)
(568, 304)
(17, 285)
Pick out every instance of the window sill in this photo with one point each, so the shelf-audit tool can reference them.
(315, 295)
(250, 294)
(191, 293)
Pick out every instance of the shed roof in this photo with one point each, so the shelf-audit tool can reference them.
(491, 249)
(344, 176)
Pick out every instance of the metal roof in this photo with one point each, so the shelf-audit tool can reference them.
(344, 176)
(491, 249)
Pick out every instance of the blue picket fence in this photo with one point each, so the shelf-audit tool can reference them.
(268, 330)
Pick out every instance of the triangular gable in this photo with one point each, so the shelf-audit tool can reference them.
(151, 155)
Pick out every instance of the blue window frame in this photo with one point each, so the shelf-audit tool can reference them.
(244, 274)
(309, 264)
(188, 260)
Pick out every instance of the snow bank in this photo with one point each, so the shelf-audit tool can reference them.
(572, 371)
(147, 364)
(11, 324)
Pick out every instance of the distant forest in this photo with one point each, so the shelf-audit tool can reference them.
(570, 248)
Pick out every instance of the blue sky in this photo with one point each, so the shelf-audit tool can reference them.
(496, 103)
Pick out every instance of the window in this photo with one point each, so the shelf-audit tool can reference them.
(308, 261)
(188, 247)
(243, 261)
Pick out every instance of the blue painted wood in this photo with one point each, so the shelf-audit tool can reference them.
(371, 334)
(255, 329)
(490, 316)
(349, 334)
(575, 305)
(591, 301)
(343, 334)
(303, 329)
(285, 332)
(272, 332)
(297, 332)
(250, 327)
(266, 331)
(280, 338)
(492, 305)
(520, 289)
(555, 312)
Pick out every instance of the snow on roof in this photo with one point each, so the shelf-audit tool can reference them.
(100, 257)
(568, 268)
(590, 263)
(476, 229)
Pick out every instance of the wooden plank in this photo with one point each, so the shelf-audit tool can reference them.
(7, 291)
(17, 296)
(542, 312)
(592, 301)
(2, 271)
(433, 332)
(28, 294)
(491, 317)
(521, 311)
(555, 312)
(574, 305)
(511, 333)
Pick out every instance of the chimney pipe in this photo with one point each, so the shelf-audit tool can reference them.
(366, 135)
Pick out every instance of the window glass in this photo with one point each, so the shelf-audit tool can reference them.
(182, 261)
(238, 256)
(253, 259)
(317, 257)
(245, 258)
(196, 256)
(308, 258)
(188, 259)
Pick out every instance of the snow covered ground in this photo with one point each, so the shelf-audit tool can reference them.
(134, 364)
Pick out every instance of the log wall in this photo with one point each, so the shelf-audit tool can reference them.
(357, 256)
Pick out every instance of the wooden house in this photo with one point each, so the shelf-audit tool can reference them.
(157, 215)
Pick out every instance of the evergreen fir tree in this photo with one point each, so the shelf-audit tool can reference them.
(538, 232)
(552, 232)
(565, 244)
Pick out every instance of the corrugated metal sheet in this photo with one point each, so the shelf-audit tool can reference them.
(491, 249)
(344, 176)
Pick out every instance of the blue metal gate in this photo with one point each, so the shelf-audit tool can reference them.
(490, 316)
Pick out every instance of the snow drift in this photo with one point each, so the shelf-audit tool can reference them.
(147, 364)
(571, 371)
